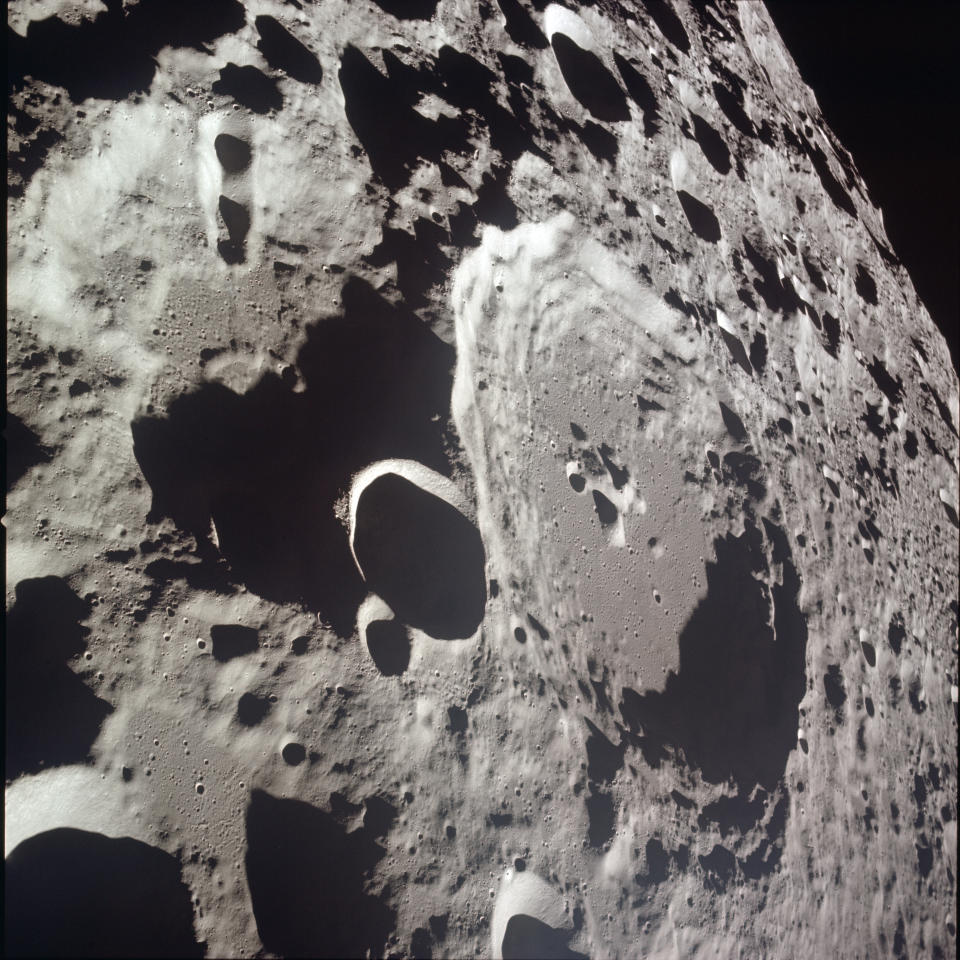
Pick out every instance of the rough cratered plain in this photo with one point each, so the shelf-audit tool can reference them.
(479, 484)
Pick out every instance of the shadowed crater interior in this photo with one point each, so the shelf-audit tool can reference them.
(527, 938)
(70, 893)
(308, 882)
(285, 52)
(232, 152)
(389, 646)
(53, 718)
(422, 555)
(732, 709)
(113, 55)
(267, 466)
(589, 80)
(701, 218)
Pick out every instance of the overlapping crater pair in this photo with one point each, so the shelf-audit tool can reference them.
(420, 556)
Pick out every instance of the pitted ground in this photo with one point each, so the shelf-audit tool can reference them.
(706, 432)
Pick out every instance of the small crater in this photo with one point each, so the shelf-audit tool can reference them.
(294, 753)
(869, 652)
(865, 284)
(700, 217)
(251, 709)
(389, 646)
(300, 646)
(606, 511)
(232, 640)
(232, 152)
(577, 482)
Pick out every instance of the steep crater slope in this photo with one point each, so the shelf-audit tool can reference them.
(475, 468)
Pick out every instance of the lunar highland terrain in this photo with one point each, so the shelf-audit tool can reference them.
(480, 483)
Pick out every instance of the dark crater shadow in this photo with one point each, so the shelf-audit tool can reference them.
(421, 263)
(249, 87)
(422, 555)
(251, 709)
(409, 9)
(641, 93)
(308, 880)
(53, 718)
(393, 135)
(521, 27)
(112, 55)
(700, 217)
(236, 219)
(389, 646)
(232, 640)
(669, 23)
(285, 52)
(70, 893)
(589, 80)
(731, 103)
(601, 817)
(527, 938)
(712, 145)
(232, 152)
(266, 466)
(732, 709)
(777, 294)
(22, 449)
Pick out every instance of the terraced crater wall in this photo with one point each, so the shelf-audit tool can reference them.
(479, 483)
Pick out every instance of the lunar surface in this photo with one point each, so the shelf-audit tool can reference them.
(479, 484)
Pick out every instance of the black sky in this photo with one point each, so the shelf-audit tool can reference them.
(885, 76)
